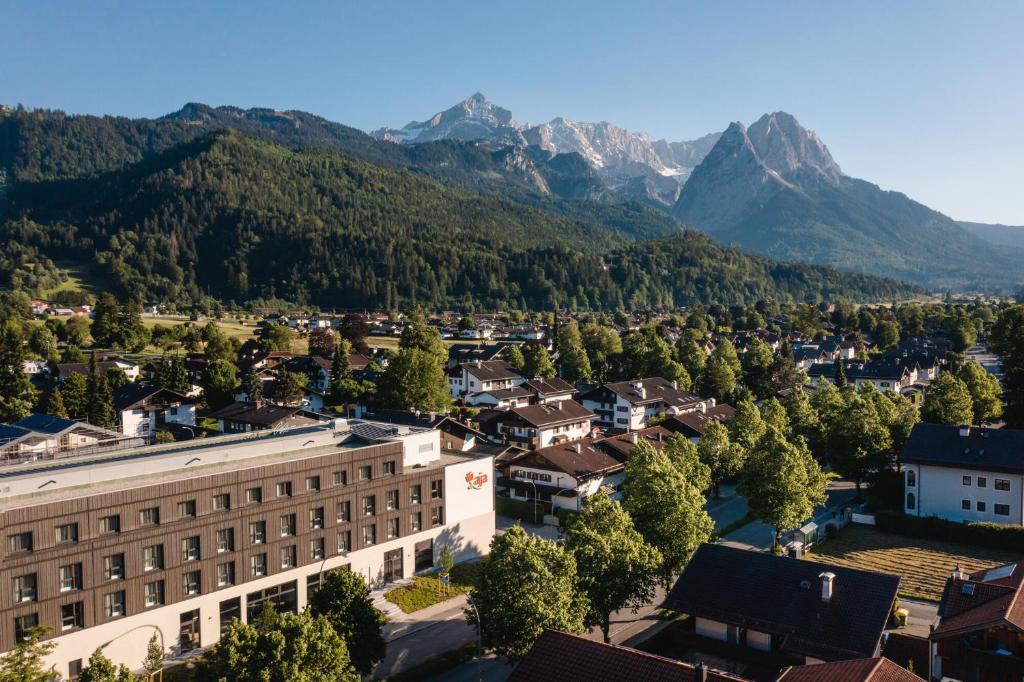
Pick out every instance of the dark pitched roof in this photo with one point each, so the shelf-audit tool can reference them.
(990, 449)
(550, 414)
(982, 600)
(491, 370)
(128, 396)
(262, 415)
(694, 423)
(44, 423)
(879, 669)
(622, 445)
(557, 656)
(579, 459)
(782, 596)
(549, 386)
(645, 391)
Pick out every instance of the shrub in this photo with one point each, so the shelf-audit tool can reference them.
(989, 535)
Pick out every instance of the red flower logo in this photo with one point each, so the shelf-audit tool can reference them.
(476, 481)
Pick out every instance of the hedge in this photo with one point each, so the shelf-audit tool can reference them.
(518, 509)
(988, 535)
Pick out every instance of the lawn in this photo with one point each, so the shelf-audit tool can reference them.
(425, 591)
(923, 565)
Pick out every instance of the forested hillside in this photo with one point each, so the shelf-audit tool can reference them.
(232, 217)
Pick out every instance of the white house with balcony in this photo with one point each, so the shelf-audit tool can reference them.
(482, 376)
(629, 405)
(538, 426)
(962, 473)
(563, 475)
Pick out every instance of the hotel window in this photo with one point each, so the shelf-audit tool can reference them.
(70, 577)
(392, 500)
(222, 502)
(415, 522)
(313, 483)
(415, 494)
(190, 548)
(1002, 484)
(392, 528)
(316, 517)
(67, 533)
(23, 624)
(1001, 509)
(226, 574)
(345, 541)
(226, 540)
(190, 583)
(437, 516)
(316, 548)
(72, 616)
(153, 594)
(20, 542)
(258, 565)
(257, 532)
(369, 535)
(254, 495)
(911, 478)
(982, 481)
(113, 604)
(365, 473)
(284, 489)
(74, 669)
(369, 505)
(436, 489)
(389, 468)
(343, 511)
(287, 525)
(110, 524)
(153, 557)
(24, 588)
(288, 558)
(340, 478)
(149, 517)
(965, 504)
(981, 506)
(187, 508)
(967, 480)
(113, 567)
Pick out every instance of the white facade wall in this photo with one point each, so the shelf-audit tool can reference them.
(941, 491)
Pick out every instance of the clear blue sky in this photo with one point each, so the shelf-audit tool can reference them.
(921, 96)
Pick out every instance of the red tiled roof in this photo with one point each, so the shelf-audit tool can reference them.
(984, 599)
(879, 669)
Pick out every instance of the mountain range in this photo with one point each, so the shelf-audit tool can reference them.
(773, 189)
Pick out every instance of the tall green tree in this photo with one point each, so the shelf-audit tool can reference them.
(723, 457)
(343, 598)
(684, 456)
(717, 380)
(416, 377)
(172, 374)
(513, 356)
(617, 569)
(782, 483)
(16, 393)
(603, 347)
(55, 404)
(537, 362)
(290, 648)
(947, 400)
(783, 372)
(645, 354)
(747, 426)
(274, 337)
(26, 661)
(251, 385)
(527, 585)
(986, 394)
(691, 356)
(803, 418)
(289, 387)
(220, 381)
(859, 441)
(101, 669)
(666, 508)
(43, 342)
(757, 368)
(886, 334)
(839, 373)
(154, 660)
(75, 392)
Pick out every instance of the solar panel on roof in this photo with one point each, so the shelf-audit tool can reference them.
(999, 572)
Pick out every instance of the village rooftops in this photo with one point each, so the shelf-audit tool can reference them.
(560, 656)
(580, 459)
(553, 386)
(694, 423)
(981, 600)
(818, 610)
(490, 370)
(130, 396)
(264, 415)
(552, 414)
(621, 446)
(879, 669)
(646, 392)
(965, 447)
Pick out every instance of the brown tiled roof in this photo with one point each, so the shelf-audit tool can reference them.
(985, 599)
(549, 386)
(879, 669)
(550, 414)
(622, 445)
(697, 421)
(557, 657)
(564, 457)
(782, 596)
(490, 370)
(656, 389)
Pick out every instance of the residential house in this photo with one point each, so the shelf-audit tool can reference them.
(143, 409)
(885, 375)
(803, 612)
(549, 390)
(563, 475)
(962, 473)
(242, 417)
(877, 669)
(693, 424)
(537, 426)
(501, 399)
(40, 436)
(480, 376)
(103, 364)
(629, 405)
(979, 634)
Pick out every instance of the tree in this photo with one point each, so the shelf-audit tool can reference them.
(717, 380)
(355, 330)
(55, 404)
(839, 374)
(290, 648)
(119, 325)
(537, 362)
(43, 342)
(858, 441)
(617, 569)
(774, 416)
(1006, 339)
(172, 375)
(251, 385)
(416, 378)
(101, 669)
(322, 342)
(948, 401)
(783, 373)
(603, 346)
(76, 331)
(527, 585)
(445, 561)
(116, 378)
(723, 458)
(99, 399)
(886, 334)
(74, 391)
(220, 381)
(963, 334)
(667, 509)
(574, 365)
(513, 356)
(344, 600)
(726, 352)
(691, 356)
(803, 418)
(16, 393)
(645, 354)
(757, 368)
(782, 483)
(684, 456)
(218, 345)
(154, 660)
(24, 663)
(273, 336)
(289, 387)
(747, 426)
(986, 394)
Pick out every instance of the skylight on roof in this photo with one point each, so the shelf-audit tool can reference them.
(967, 589)
(999, 573)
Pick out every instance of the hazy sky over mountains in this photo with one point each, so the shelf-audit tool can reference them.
(920, 96)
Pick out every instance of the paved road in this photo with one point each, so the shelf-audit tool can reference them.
(435, 630)
(922, 615)
(728, 508)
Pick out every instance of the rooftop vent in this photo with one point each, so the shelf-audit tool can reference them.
(805, 584)
(965, 431)
(827, 585)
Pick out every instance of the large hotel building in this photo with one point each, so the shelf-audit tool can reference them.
(108, 545)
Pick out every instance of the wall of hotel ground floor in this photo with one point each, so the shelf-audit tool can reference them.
(125, 640)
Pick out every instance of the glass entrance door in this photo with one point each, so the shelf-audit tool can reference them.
(393, 566)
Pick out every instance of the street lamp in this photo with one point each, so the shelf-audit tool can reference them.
(479, 642)
(534, 499)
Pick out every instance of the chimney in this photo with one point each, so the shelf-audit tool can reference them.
(827, 585)
(632, 437)
(958, 573)
(965, 431)
(675, 384)
(578, 448)
(700, 672)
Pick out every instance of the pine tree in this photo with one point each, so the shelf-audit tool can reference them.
(99, 407)
(55, 404)
(16, 393)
